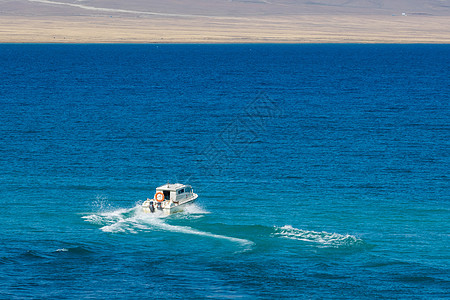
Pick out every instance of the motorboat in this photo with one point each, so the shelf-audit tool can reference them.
(170, 198)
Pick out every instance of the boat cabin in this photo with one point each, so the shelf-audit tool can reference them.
(175, 191)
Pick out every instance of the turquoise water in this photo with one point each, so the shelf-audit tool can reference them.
(322, 171)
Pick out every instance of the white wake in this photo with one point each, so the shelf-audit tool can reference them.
(134, 220)
(322, 239)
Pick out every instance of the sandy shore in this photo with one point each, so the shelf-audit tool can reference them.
(292, 29)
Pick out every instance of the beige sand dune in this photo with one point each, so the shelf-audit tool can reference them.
(224, 21)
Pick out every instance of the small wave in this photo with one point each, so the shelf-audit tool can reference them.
(323, 239)
(32, 254)
(5, 260)
(417, 278)
(74, 250)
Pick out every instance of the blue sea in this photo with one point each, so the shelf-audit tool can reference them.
(322, 171)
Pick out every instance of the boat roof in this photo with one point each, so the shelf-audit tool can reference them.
(172, 186)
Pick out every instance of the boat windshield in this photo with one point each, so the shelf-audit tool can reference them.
(166, 195)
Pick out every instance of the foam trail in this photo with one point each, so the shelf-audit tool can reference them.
(134, 220)
(189, 230)
(190, 211)
(324, 239)
(114, 221)
(195, 209)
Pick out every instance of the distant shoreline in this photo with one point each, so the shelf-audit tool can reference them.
(311, 29)
(219, 43)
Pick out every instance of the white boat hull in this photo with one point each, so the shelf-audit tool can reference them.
(167, 206)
